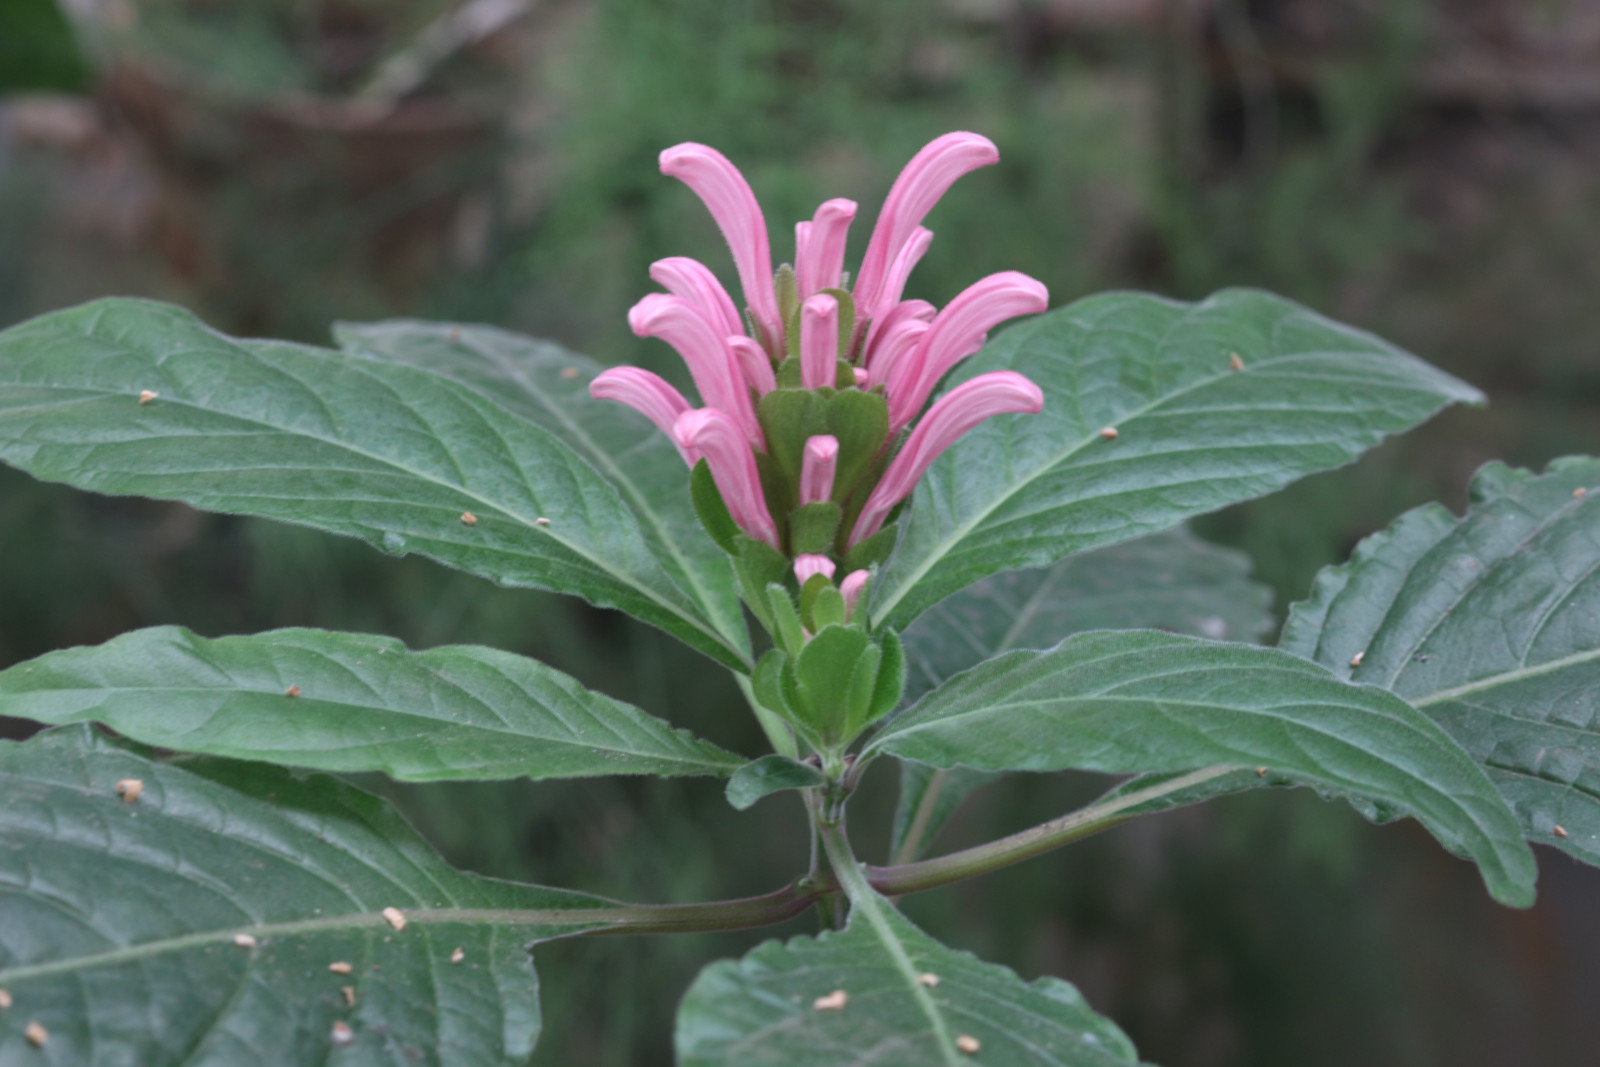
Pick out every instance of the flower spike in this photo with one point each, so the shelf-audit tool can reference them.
(819, 341)
(689, 278)
(712, 363)
(726, 194)
(957, 332)
(819, 246)
(817, 466)
(924, 180)
(996, 393)
(711, 435)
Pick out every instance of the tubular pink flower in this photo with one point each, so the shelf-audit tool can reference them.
(646, 393)
(712, 363)
(817, 466)
(807, 565)
(889, 307)
(996, 393)
(753, 361)
(924, 180)
(852, 586)
(819, 341)
(709, 434)
(726, 194)
(819, 246)
(690, 279)
(904, 336)
(958, 332)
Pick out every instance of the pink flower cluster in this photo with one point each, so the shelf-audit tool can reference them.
(897, 348)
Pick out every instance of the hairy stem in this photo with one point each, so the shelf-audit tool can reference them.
(981, 859)
(741, 914)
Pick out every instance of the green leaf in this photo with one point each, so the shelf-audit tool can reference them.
(1136, 701)
(1193, 434)
(360, 703)
(770, 774)
(760, 1010)
(121, 919)
(549, 386)
(393, 455)
(38, 50)
(1168, 581)
(1491, 625)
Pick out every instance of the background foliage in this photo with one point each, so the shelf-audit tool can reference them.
(1426, 169)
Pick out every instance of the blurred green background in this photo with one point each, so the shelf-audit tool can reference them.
(1423, 168)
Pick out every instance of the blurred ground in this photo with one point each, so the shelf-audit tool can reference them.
(1428, 169)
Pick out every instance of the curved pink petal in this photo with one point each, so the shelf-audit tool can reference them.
(692, 280)
(996, 393)
(709, 434)
(754, 364)
(807, 565)
(852, 587)
(819, 341)
(712, 363)
(958, 332)
(924, 180)
(727, 196)
(648, 394)
(819, 246)
(889, 303)
(817, 466)
(889, 335)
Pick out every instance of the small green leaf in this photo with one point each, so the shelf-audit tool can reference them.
(353, 702)
(770, 774)
(198, 922)
(907, 1002)
(1490, 624)
(786, 620)
(812, 527)
(1193, 434)
(712, 509)
(822, 674)
(860, 422)
(1136, 701)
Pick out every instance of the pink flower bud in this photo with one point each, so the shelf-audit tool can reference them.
(957, 332)
(807, 565)
(894, 344)
(996, 393)
(817, 466)
(819, 341)
(727, 196)
(712, 363)
(645, 393)
(690, 279)
(852, 587)
(819, 246)
(713, 436)
(924, 180)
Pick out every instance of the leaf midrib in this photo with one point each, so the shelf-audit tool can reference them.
(402, 713)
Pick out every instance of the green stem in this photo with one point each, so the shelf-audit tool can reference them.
(981, 859)
(741, 914)
(779, 734)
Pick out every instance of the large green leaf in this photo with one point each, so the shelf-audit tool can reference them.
(761, 1010)
(1168, 581)
(391, 454)
(1193, 434)
(1491, 625)
(549, 386)
(1136, 701)
(121, 920)
(359, 703)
